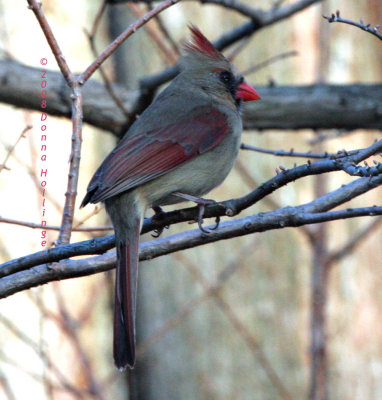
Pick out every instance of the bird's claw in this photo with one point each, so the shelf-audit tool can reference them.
(200, 222)
(202, 203)
(159, 213)
(217, 222)
(159, 231)
(201, 208)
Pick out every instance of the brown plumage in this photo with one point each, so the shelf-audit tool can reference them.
(185, 142)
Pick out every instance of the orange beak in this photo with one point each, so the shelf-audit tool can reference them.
(246, 92)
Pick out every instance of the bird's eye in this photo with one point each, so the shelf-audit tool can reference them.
(226, 76)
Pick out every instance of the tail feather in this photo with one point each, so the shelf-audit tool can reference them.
(124, 308)
(126, 217)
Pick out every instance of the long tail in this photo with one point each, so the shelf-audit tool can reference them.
(126, 214)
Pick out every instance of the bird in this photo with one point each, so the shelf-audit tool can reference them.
(180, 148)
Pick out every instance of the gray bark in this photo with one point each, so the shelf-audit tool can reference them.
(283, 107)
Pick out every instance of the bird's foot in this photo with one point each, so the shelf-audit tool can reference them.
(159, 213)
(202, 203)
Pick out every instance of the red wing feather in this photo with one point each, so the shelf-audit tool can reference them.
(142, 157)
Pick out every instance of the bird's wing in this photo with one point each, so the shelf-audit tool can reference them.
(142, 157)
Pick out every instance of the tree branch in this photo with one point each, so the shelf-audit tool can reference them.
(230, 207)
(33, 225)
(262, 17)
(121, 38)
(356, 240)
(76, 114)
(261, 20)
(293, 153)
(233, 5)
(365, 27)
(324, 106)
(286, 217)
(52, 42)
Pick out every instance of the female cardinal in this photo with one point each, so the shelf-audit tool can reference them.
(182, 146)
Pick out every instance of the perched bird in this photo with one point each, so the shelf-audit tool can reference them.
(181, 147)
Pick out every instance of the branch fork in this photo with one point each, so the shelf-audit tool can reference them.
(75, 82)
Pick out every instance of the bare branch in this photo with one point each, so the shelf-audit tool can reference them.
(233, 5)
(7, 388)
(354, 242)
(61, 61)
(121, 38)
(169, 55)
(33, 225)
(258, 21)
(74, 167)
(248, 337)
(76, 96)
(293, 153)
(365, 27)
(229, 207)
(70, 328)
(324, 106)
(254, 13)
(166, 32)
(286, 217)
(109, 87)
(269, 61)
(76, 113)
(12, 148)
(98, 18)
(36, 348)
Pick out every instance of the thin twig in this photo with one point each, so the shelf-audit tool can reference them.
(108, 85)
(270, 201)
(37, 182)
(251, 182)
(34, 225)
(35, 6)
(240, 46)
(175, 320)
(71, 330)
(269, 61)
(293, 153)
(46, 382)
(91, 36)
(7, 388)
(21, 367)
(261, 19)
(232, 5)
(12, 148)
(36, 348)
(248, 337)
(353, 242)
(166, 32)
(121, 38)
(365, 27)
(170, 56)
(96, 210)
(98, 18)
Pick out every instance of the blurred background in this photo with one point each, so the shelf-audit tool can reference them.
(229, 320)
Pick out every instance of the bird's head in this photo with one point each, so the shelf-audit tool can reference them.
(213, 72)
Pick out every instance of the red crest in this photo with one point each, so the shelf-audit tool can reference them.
(201, 44)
